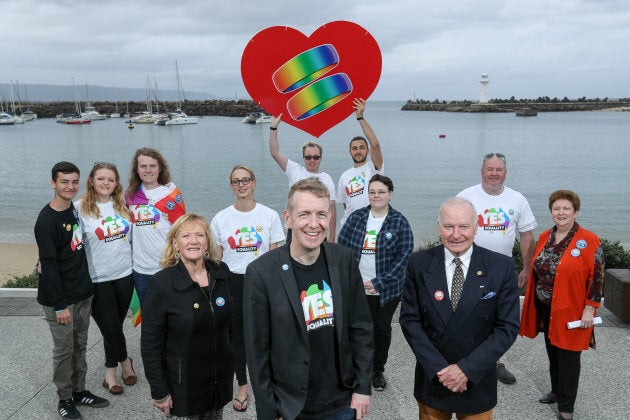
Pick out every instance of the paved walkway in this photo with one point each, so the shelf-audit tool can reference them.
(28, 393)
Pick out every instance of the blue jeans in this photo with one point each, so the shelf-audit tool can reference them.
(141, 282)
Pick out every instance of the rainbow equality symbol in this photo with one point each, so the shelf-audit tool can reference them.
(299, 72)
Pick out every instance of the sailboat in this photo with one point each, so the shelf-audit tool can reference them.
(179, 117)
(27, 115)
(146, 117)
(76, 119)
(116, 113)
(90, 112)
(5, 119)
(15, 111)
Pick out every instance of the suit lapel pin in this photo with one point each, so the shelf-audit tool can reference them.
(196, 305)
(480, 273)
(285, 267)
(438, 295)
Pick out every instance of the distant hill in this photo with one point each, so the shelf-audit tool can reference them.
(52, 93)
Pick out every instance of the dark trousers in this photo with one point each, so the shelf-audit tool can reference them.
(382, 319)
(564, 366)
(237, 330)
(109, 310)
(141, 282)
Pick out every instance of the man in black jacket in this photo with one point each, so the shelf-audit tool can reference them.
(308, 330)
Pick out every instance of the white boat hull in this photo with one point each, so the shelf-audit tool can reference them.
(181, 121)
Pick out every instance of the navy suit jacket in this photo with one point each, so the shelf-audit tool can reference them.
(474, 337)
(276, 341)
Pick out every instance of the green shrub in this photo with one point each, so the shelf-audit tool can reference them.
(615, 255)
(22, 282)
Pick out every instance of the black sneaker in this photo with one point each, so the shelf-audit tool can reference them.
(87, 398)
(67, 410)
(378, 382)
(504, 375)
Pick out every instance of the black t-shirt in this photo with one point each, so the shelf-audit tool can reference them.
(325, 393)
(65, 278)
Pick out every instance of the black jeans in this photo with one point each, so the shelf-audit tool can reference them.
(564, 366)
(382, 319)
(109, 310)
(237, 329)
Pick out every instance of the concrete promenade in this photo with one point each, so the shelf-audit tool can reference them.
(28, 393)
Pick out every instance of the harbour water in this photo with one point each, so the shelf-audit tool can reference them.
(587, 152)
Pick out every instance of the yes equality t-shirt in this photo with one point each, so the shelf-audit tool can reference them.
(325, 392)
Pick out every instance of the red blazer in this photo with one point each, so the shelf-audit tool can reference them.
(573, 279)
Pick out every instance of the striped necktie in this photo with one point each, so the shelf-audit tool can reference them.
(458, 283)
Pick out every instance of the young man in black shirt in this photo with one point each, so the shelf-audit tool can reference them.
(65, 291)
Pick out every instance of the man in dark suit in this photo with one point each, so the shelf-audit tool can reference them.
(459, 314)
(308, 330)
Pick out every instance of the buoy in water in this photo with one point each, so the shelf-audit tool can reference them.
(442, 136)
(130, 126)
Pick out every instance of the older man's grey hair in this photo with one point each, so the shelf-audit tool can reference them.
(457, 202)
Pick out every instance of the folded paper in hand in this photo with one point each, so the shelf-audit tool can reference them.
(576, 324)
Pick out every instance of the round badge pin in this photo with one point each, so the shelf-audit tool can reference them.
(285, 267)
(581, 244)
(438, 295)
(196, 305)
(219, 301)
(388, 235)
(575, 252)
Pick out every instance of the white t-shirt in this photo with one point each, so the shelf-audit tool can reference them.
(150, 231)
(367, 263)
(499, 216)
(352, 188)
(245, 236)
(106, 237)
(296, 172)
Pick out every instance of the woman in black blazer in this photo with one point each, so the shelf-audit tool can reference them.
(186, 314)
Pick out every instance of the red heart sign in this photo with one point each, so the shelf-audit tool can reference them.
(311, 80)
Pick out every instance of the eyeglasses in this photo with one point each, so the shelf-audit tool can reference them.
(379, 192)
(315, 157)
(491, 155)
(244, 181)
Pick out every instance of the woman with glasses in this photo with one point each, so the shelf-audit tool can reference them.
(106, 226)
(155, 203)
(381, 240)
(565, 284)
(243, 231)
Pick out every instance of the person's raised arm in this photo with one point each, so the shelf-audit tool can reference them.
(274, 147)
(332, 227)
(375, 146)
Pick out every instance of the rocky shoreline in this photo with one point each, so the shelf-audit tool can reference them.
(224, 108)
(467, 106)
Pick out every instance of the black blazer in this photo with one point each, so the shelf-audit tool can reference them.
(475, 336)
(185, 344)
(276, 341)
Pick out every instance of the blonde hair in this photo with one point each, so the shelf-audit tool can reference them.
(249, 170)
(169, 258)
(310, 185)
(88, 202)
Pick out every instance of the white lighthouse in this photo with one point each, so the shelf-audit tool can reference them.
(483, 98)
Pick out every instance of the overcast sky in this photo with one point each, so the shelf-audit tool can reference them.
(431, 49)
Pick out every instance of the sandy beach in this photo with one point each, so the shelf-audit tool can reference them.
(16, 260)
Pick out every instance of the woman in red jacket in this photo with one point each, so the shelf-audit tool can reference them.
(565, 284)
